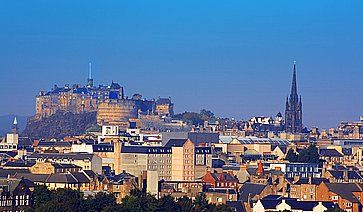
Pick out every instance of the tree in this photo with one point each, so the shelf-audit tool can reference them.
(200, 202)
(185, 204)
(291, 156)
(309, 155)
(167, 203)
(100, 201)
(41, 195)
(313, 154)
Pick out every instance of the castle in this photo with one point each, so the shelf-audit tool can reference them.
(110, 102)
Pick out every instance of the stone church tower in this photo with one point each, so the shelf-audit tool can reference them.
(293, 111)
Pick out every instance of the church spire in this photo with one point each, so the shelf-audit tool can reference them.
(293, 112)
(294, 96)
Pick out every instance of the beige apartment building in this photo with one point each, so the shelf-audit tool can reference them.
(178, 160)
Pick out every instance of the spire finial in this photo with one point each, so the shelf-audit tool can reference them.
(15, 122)
(90, 70)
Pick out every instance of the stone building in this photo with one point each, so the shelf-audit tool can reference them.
(178, 160)
(75, 99)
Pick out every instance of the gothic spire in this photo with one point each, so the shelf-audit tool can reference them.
(293, 95)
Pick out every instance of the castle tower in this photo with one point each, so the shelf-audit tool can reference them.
(90, 80)
(293, 111)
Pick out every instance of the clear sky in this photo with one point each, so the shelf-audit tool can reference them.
(232, 57)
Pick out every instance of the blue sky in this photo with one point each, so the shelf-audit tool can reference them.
(232, 57)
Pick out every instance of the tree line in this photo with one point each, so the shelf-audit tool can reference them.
(307, 155)
(66, 200)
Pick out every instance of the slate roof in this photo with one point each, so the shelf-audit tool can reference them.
(61, 178)
(33, 177)
(80, 177)
(4, 173)
(315, 181)
(176, 142)
(222, 190)
(90, 173)
(19, 163)
(54, 144)
(120, 178)
(330, 153)
(271, 201)
(226, 176)
(339, 174)
(69, 178)
(146, 149)
(251, 189)
(345, 190)
(74, 156)
(64, 166)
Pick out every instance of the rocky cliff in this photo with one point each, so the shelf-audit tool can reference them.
(59, 125)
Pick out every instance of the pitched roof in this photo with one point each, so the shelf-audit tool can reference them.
(345, 190)
(61, 178)
(19, 163)
(225, 177)
(339, 174)
(270, 202)
(222, 190)
(80, 177)
(176, 142)
(33, 177)
(74, 156)
(315, 181)
(330, 153)
(251, 189)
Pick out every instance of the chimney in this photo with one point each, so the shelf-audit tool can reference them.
(260, 169)
(345, 175)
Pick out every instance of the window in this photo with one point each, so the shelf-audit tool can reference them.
(334, 197)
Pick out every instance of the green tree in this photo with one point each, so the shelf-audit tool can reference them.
(313, 154)
(185, 204)
(291, 156)
(200, 202)
(309, 155)
(167, 203)
(41, 195)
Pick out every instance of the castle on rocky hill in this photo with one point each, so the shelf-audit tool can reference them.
(110, 102)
